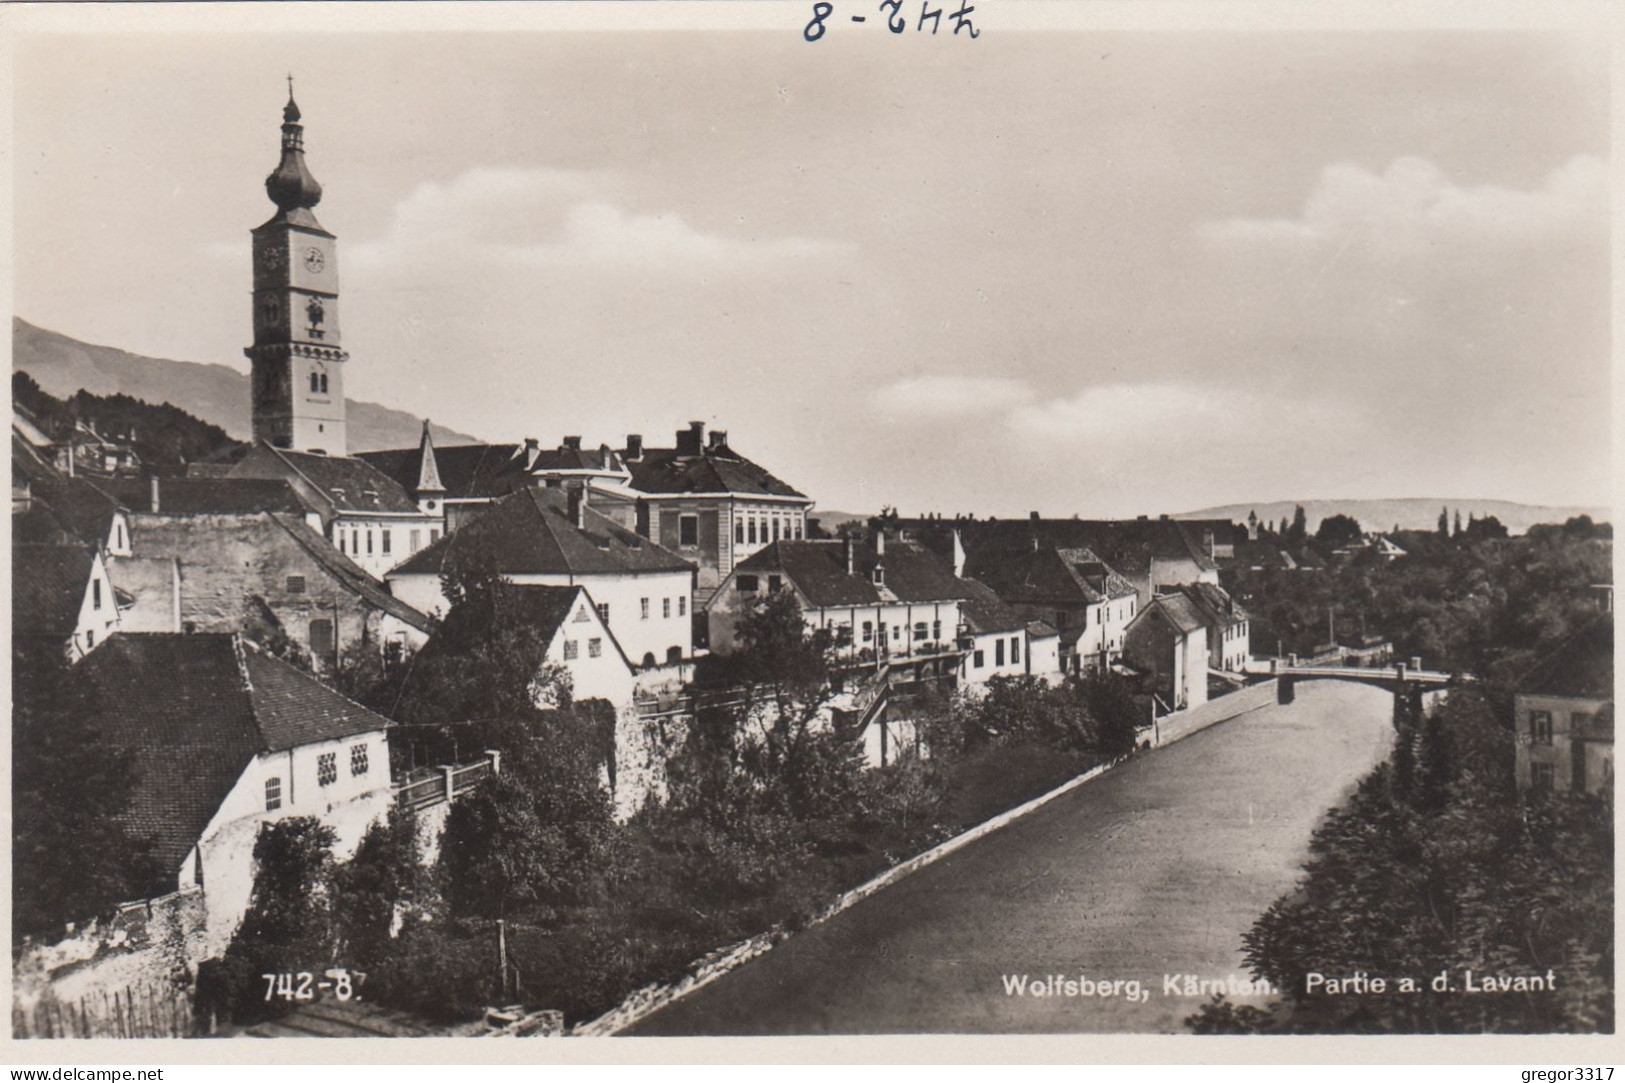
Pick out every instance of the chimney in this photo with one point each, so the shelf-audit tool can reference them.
(959, 556)
(578, 506)
(634, 447)
(533, 448)
(156, 506)
(606, 457)
(880, 543)
(572, 443)
(851, 558)
(1212, 549)
(690, 441)
(719, 439)
(1033, 515)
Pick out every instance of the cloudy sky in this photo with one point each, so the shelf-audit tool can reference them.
(1087, 272)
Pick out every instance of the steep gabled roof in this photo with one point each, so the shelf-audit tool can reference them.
(190, 712)
(204, 496)
(1179, 610)
(72, 505)
(1215, 603)
(351, 484)
(818, 571)
(663, 471)
(1047, 576)
(530, 532)
(48, 585)
(349, 574)
(986, 612)
(1581, 666)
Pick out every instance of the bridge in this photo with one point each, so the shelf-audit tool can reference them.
(1407, 681)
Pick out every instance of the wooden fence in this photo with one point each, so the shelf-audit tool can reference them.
(143, 1011)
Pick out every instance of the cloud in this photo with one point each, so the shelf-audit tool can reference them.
(940, 398)
(1413, 211)
(553, 218)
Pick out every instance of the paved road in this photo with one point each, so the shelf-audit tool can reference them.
(1155, 868)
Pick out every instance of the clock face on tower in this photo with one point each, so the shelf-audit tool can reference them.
(314, 260)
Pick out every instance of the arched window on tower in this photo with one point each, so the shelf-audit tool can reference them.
(315, 383)
(324, 383)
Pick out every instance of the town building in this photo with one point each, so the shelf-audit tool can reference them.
(557, 537)
(366, 514)
(1167, 641)
(1564, 714)
(1149, 554)
(882, 602)
(1229, 636)
(62, 597)
(72, 511)
(993, 636)
(269, 575)
(225, 738)
(709, 504)
(1086, 601)
(474, 476)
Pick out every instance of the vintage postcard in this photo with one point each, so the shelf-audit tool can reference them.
(829, 519)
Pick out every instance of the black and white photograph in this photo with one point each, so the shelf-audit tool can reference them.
(809, 519)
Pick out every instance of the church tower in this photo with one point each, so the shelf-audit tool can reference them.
(298, 362)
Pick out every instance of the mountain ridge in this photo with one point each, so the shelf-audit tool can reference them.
(218, 394)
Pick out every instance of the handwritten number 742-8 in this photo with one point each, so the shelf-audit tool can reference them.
(824, 10)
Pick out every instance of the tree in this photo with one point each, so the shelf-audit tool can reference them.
(1339, 529)
(377, 886)
(1299, 531)
(780, 654)
(538, 832)
(72, 855)
(289, 924)
(1456, 533)
(1444, 522)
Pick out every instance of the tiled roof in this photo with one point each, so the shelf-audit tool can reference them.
(349, 574)
(716, 470)
(190, 712)
(531, 532)
(1041, 629)
(818, 570)
(487, 471)
(205, 496)
(48, 585)
(75, 505)
(1046, 576)
(1215, 603)
(1581, 666)
(1127, 545)
(1181, 612)
(28, 463)
(986, 612)
(538, 609)
(352, 484)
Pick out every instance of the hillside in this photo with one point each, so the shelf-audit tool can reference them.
(1413, 513)
(212, 393)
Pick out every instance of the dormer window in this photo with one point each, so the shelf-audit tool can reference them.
(880, 575)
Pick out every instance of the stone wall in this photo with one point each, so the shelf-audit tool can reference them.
(118, 977)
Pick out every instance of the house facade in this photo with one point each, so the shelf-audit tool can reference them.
(881, 602)
(557, 537)
(1564, 715)
(62, 596)
(1229, 635)
(270, 574)
(1168, 642)
(1084, 599)
(709, 504)
(367, 515)
(270, 743)
(994, 638)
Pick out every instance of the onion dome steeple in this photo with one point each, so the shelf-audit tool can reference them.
(290, 185)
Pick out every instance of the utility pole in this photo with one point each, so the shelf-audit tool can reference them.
(502, 955)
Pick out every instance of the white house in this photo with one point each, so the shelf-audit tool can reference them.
(61, 594)
(993, 636)
(553, 537)
(881, 602)
(225, 738)
(367, 515)
(1168, 641)
(1229, 635)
